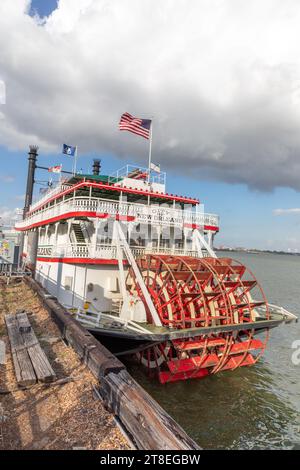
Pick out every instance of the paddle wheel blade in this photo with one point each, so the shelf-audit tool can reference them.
(193, 293)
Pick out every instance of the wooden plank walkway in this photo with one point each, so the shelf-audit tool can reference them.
(30, 361)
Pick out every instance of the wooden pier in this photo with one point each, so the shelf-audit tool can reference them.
(147, 423)
(63, 414)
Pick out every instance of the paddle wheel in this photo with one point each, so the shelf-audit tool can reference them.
(190, 294)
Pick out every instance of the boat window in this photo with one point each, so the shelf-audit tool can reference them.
(68, 282)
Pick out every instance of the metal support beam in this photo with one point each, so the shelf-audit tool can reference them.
(120, 261)
(199, 238)
(197, 245)
(121, 240)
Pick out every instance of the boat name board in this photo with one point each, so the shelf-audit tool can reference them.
(45, 250)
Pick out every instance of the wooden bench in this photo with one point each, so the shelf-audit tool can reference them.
(30, 362)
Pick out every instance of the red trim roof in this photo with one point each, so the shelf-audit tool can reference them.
(92, 214)
(119, 189)
(70, 215)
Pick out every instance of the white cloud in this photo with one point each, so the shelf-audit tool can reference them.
(2, 92)
(8, 215)
(20, 197)
(221, 77)
(7, 178)
(295, 210)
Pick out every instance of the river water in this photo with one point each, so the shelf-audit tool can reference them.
(252, 407)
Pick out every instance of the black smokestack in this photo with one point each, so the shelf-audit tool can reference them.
(96, 167)
(30, 176)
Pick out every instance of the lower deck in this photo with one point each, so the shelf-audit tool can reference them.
(75, 284)
(93, 294)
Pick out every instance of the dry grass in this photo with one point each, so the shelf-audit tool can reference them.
(55, 416)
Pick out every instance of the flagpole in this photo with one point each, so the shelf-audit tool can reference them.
(75, 160)
(150, 150)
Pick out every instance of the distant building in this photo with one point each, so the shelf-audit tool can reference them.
(9, 244)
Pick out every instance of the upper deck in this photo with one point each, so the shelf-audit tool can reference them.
(127, 195)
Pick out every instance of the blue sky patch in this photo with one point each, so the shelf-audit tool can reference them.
(43, 7)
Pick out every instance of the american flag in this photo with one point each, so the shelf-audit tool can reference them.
(136, 125)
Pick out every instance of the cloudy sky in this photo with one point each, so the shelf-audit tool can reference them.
(220, 77)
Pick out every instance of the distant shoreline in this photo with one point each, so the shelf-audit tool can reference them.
(256, 252)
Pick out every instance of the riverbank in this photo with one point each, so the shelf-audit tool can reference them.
(50, 416)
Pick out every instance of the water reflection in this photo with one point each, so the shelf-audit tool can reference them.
(235, 409)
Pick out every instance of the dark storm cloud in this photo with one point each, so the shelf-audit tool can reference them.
(221, 80)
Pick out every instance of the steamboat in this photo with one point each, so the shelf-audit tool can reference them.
(137, 267)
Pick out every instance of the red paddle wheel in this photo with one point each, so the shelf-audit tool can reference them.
(190, 294)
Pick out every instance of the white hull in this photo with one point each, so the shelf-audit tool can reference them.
(75, 284)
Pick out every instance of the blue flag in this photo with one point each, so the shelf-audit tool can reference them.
(69, 150)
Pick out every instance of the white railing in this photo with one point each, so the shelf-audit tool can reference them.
(153, 214)
(105, 251)
(128, 170)
(99, 319)
(59, 186)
